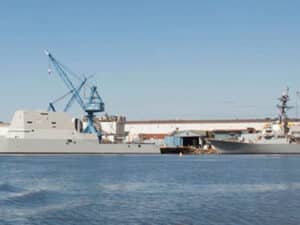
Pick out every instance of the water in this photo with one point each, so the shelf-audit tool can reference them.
(212, 189)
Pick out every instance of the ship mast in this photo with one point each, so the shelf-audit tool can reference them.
(283, 107)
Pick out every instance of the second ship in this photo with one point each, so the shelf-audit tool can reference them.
(276, 138)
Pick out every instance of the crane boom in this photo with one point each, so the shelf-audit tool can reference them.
(74, 95)
(94, 103)
(63, 75)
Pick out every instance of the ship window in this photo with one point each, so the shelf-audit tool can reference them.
(29, 122)
(53, 126)
(53, 122)
(44, 114)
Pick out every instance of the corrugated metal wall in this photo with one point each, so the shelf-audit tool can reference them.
(173, 141)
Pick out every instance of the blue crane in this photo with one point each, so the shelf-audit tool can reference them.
(51, 106)
(94, 103)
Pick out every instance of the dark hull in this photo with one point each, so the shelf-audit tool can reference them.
(185, 150)
(231, 147)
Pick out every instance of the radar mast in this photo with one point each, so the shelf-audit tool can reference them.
(283, 108)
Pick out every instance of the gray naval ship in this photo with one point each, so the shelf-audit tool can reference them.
(37, 132)
(278, 137)
(55, 132)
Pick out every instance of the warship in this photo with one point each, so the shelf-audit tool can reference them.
(56, 132)
(43, 132)
(277, 137)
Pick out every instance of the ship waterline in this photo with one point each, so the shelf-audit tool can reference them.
(56, 146)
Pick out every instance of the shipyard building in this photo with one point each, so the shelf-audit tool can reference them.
(157, 130)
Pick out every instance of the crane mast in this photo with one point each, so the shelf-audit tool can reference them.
(94, 103)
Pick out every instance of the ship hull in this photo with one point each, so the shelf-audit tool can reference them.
(43, 146)
(231, 147)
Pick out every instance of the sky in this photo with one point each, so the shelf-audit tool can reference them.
(155, 59)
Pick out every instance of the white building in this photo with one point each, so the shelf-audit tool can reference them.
(161, 128)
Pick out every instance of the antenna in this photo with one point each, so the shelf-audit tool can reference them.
(297, 96)
(283, 108)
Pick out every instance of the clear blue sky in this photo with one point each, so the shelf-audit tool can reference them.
(154, 59)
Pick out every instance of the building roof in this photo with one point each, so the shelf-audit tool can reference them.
(206, 121)
(189, 133)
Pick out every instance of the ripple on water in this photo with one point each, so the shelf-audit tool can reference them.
(6, 187)
(150, 190)
(32, 198)
(196, 188)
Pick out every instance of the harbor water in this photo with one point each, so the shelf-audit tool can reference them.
(157, 189)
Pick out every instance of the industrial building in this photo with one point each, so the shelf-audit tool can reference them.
(185, 138)
(156, 130)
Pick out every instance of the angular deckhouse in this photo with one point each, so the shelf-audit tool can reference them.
(56, 132)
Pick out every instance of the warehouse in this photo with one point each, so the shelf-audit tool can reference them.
(161, 128)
